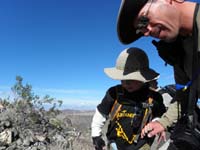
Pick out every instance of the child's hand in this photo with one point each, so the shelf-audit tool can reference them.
(99, 143)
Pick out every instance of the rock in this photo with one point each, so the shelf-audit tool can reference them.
(6, 136)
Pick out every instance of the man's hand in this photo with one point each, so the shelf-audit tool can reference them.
(154, 128)
(99, 143)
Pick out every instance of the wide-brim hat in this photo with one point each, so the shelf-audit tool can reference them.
(128, 11)
(132, 64)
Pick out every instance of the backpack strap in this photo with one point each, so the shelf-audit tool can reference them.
(116, 106)
(198, 25)
(147, 115)
(115, 109)
(195, 66)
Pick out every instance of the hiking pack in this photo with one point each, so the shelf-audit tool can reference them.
(170, 89)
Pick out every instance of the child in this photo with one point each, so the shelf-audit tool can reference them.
(129, 105)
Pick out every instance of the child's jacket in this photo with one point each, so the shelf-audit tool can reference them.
(129, 112)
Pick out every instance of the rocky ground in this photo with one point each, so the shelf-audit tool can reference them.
(25, 127)
(81, 120)
(31, 129)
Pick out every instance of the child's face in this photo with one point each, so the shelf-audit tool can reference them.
(131, 85)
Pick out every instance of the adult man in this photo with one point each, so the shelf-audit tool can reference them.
(176, 24)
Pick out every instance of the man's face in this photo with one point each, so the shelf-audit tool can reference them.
(163, 20)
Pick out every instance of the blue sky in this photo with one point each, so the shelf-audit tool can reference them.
(61, 47)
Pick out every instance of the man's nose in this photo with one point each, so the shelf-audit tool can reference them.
(147, 31)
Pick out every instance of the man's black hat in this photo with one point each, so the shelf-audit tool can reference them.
(128, 11)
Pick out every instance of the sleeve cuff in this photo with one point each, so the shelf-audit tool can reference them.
(164, 122)
(155, 119)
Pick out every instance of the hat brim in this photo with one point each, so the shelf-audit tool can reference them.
(143, 75)
(128, 11)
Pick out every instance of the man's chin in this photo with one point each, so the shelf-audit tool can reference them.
(168, 40)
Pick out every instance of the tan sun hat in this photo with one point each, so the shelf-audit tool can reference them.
(132, 64)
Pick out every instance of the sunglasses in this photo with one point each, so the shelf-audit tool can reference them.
(143, 21)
